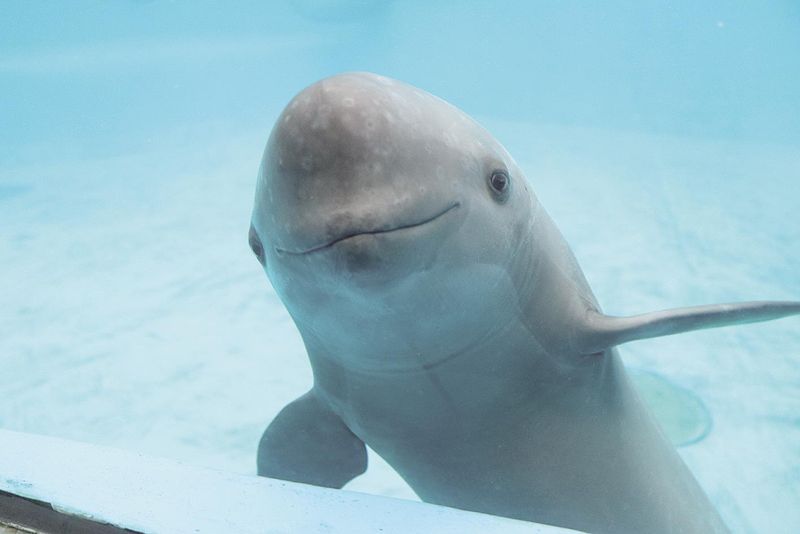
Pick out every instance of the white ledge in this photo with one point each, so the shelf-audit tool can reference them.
(153, 495)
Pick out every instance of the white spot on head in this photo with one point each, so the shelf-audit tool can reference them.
(448, 138)
(348, 102)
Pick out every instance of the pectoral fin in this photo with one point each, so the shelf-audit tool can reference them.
(601, 332)
(309, 443)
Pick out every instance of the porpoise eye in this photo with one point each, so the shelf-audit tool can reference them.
(500, 184)
(255, 245)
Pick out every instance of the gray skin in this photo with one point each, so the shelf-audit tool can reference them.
(449, 326)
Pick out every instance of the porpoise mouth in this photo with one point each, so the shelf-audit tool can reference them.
(329, 244)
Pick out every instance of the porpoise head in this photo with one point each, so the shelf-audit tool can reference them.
(378, 203)
(398, 232)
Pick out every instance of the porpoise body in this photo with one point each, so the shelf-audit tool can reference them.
(449, 326)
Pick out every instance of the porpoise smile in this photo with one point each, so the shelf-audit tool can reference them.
(356, 233)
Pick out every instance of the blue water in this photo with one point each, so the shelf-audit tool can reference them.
(663, 137)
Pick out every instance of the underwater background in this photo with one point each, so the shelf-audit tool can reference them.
(663, 138)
